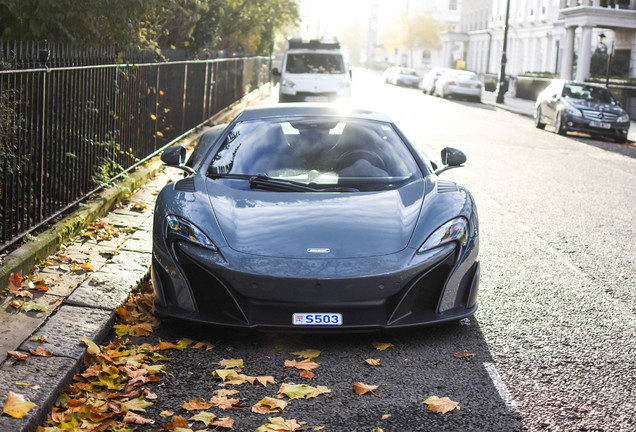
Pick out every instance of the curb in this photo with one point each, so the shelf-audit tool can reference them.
(87, 311)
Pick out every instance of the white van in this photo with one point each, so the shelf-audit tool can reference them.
(313, 71)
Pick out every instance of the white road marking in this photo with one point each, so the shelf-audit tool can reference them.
(500, 386)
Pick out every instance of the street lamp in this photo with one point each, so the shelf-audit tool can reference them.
(502, 87)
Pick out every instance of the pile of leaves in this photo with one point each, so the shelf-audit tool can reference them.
(22, 289)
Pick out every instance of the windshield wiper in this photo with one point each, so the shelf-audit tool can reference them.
(261, 181)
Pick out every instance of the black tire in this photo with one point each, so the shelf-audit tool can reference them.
(537, 119)
(559, 127)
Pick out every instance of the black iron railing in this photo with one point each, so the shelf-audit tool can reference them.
(66, 131)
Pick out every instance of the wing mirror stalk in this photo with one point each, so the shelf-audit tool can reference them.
(452, 158)
(175, 157)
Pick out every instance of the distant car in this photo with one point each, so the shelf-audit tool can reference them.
(459, 84)
(310, 217)
(401, 76)
(430, 78)
(580, 107)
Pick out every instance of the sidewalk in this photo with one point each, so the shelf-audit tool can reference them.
(525, 107)
(75, 290)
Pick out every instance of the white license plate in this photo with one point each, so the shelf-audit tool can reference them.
(466, 85)
(316, 99)
(334, 319)
(600, 125)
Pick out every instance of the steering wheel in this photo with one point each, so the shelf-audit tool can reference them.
(350, 157)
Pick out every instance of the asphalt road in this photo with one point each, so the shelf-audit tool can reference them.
(554, 339)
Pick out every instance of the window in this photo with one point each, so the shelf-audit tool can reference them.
(452, 4)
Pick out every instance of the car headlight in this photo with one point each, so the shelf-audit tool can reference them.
(188, 231)
(572, 111)
(623, 118)
(287, 83)
(455, 230)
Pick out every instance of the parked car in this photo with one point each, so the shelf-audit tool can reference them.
(401, 76)
(307, 217)
(430, 78)
(460, 84)
(574, 106)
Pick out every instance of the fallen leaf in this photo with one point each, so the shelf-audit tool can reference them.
(373, 362)
(204, 417)
(386, 416)
(307, 364)
(92, 347)
(207, 345)
(196, 404)
(40, 352)
(137, 404)
(268, 405)
(224, 422)
(225, 392)
(18, 355)
(279, 424)
(309, 353)
(232, 363)
(361, 388)
(223, 402)
(381, 346)
(465, 355)
(17, 406)
(264, 380)
(301, 391)
(138, 206)
(131, 417)
(15, 282)
(167, 413)
(307, 374)
(87, 266)
(440, 405)
(177, 422)
(40, 339)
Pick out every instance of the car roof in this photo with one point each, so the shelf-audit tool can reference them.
(309, 109)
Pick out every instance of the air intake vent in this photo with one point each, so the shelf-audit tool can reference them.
(185, 185)
(444, 186)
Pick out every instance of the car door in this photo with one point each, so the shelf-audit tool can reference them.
(549, 105)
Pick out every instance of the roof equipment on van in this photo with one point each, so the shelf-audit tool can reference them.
(297, 43)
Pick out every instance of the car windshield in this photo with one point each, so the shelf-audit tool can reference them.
(315, 63)
(588, 93)
(408, 72)
(323, 152)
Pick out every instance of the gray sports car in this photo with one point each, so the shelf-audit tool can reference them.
(307, 217)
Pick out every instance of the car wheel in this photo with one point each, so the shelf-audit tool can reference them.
(537, 119)
(559, 127)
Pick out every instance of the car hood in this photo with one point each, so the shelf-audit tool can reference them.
(582, 104)
(316, 225)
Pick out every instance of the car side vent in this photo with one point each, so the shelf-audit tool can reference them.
(185, 185)
(444, 186)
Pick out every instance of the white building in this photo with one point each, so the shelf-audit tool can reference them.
(557, 36)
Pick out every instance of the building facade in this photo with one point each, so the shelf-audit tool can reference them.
(546, 36)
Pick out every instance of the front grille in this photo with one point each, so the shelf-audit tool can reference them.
(601, 116)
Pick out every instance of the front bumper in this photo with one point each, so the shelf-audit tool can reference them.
(580, 124)
(398, 290)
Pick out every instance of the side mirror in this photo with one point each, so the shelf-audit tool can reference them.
(276, 72)
(452, 158)
(175, 157)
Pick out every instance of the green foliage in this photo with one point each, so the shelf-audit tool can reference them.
(239, 25)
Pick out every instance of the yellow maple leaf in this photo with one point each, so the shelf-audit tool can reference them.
(307, 364)
(204, 417)
(17, 406)
(381, 346)
(440, 405)
(279, 424)
(232, 363)
(373, 362)
(308, 353)
(268, 405)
